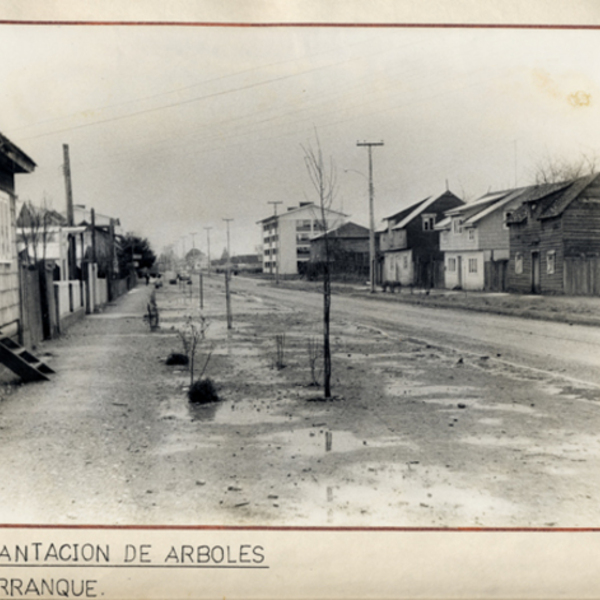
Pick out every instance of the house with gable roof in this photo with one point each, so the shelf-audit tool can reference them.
(555, 239)
(409, 242)
(475, 240)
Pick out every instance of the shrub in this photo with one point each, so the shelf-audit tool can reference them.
(203, 391)
(176, 358)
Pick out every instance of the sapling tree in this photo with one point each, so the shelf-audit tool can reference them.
(323, 178)
(192, 335)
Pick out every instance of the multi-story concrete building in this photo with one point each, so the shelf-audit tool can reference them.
(286, 237)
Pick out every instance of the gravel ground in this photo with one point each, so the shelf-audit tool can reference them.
(415, 435)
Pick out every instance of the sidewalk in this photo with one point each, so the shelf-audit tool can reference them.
(74, 447)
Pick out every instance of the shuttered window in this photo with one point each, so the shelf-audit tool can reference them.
(551, 262)
(519, 263)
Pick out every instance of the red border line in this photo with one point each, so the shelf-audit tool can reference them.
(307, 529)
(305, 24)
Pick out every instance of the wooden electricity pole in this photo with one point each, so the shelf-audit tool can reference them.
(227, 278)
(369, 145)
(208, 248)
(72, 260)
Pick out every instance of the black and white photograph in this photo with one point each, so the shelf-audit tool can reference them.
(308, 276)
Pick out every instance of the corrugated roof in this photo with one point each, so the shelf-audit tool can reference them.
(405, 211)
(445, 223)
(498, 203)
(417, 210)
(557, 207)
(355, 231)
(480, 202)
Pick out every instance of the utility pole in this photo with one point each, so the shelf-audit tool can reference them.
(208, 247)
(194, 247)
(70, 217)
(227, 277)
(228, 247)
(276, 229)
(370, 145)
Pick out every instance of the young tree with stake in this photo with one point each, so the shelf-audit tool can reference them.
(323, 178)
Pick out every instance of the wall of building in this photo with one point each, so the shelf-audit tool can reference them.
(398, 267)
(460, 273)
(10, 310)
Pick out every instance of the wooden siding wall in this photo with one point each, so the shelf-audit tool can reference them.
(582, 224)
(582, 276)
(427, 243)
(542, 237)
(10, 309)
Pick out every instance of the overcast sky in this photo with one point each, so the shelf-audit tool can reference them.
(172, 129)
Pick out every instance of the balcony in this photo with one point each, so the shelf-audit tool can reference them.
(393, 240)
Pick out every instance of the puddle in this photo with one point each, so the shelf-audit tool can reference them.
(492, 422)
(315, 441)
(402, 498)
(226, 412)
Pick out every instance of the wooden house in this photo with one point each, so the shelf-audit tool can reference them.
(348, 250)
(555, 239)
(410, 243)
(476, 242)
(12, 162)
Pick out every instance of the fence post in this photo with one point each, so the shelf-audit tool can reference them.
(228, 300)
(201, 292)
(57, 306)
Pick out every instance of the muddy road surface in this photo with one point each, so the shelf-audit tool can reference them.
(437, 418)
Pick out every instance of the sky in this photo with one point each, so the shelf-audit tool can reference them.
(173, 129)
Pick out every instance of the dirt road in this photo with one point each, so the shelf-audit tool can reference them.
(418, 434)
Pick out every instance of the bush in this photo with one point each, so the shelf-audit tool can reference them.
(176, 358)
(203, 391)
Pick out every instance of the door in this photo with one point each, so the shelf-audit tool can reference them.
(459, 271)
(535, 272)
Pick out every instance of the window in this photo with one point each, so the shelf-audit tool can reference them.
(551, 262)
(507, 216)
(5, 229)
(303, 225)
(428, 222)
(457, 225)
(471, 234)
(519, 263)
(452, 264)
(302, 237)
(302, 251)
(472, 265)
(405, 263)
